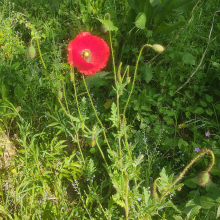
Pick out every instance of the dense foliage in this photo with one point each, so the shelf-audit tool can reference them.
(137, 140)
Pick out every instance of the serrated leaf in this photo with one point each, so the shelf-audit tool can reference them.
(188, 58)
(138, 160)
(147, 74)
(114, 117)
(164, 175)
(140, 20)
(120, 203)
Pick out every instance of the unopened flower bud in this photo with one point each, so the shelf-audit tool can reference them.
(204, 178)
(93, 143)
(158, 48)
(60, 95)
(155, 195)
(31, 52)
(164, 188)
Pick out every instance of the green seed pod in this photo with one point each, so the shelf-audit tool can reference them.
(164, 188)
(31, 52)
(155, 195)
(158, 48)
(93, 143)
(60, 95)
(204, 178)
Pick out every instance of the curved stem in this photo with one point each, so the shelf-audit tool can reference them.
(181, 175)
(38, 45)
(135, 73)
(132, 88)
(116, 83)
(103, 129)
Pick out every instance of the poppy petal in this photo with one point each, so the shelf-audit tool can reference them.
(99, 52)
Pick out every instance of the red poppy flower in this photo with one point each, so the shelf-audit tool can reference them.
(88, 53)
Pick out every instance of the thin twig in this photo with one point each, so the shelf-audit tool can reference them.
(202, 55)
(176, 34)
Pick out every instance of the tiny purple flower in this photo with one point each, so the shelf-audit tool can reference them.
(197, 150)
(207, 134)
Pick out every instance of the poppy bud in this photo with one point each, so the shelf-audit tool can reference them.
(93, 143)
(60, 95)
(158, 48)
(31, 52)
(204, 178)
(128, 80)
(155, 195)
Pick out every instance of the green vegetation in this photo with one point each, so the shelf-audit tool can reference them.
(140, 139)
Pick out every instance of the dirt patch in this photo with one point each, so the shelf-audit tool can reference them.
(7, 150)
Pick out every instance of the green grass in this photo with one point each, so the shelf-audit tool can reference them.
(75, 158)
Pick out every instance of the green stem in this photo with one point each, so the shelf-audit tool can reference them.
(74, 85)
(116, 83)
(64, 94)
(126, 105)
(126, 198)
(135, 73)
(103, 129)
(76, 131)
(39, 51)
(103, 156)
(181, 175)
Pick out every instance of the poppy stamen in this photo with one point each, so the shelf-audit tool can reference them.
(86, 55)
